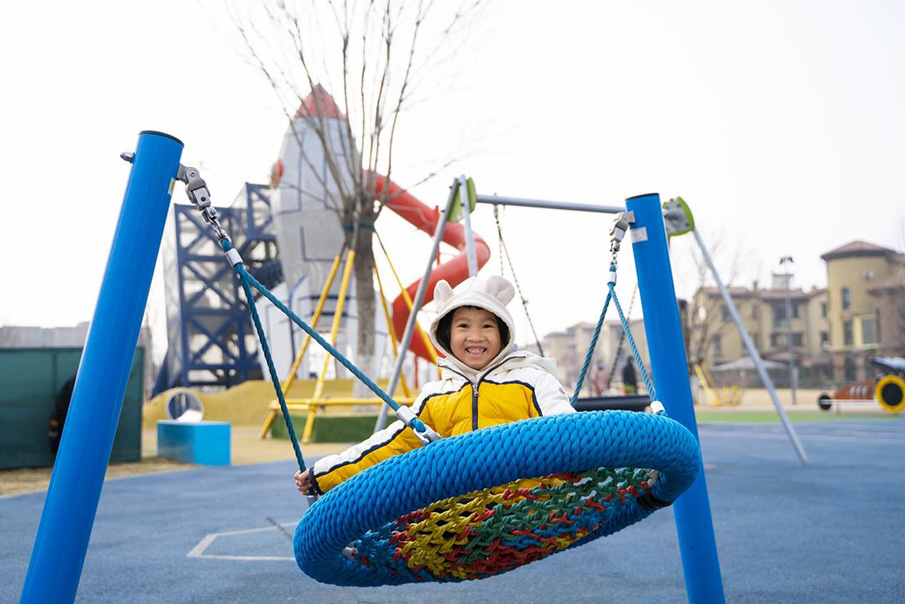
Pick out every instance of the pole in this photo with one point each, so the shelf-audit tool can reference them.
(416, 303)
(694, 524)
(755, 355)
(547, 205)
(788, 283)
(469, 235)
(78, 474)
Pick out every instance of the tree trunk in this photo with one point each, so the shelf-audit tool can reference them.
(366, 356)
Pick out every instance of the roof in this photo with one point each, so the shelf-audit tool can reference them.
(858, 248)
(319, 103)
(890, 282)
(734, 291)
(780, 294)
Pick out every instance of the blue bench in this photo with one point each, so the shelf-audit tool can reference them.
(204, 443)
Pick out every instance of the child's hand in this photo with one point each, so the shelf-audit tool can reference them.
(303, 482)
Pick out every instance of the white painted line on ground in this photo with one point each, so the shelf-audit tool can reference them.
(207, 540)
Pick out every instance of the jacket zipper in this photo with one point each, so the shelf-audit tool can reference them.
(475, 386)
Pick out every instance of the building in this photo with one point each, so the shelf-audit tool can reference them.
(866, 307)
(834, 331)
(771, 316)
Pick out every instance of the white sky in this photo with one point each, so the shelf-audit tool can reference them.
(780, 122)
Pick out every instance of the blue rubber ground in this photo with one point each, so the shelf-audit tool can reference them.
(832, 532)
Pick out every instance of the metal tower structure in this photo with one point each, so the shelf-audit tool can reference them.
(209, 332)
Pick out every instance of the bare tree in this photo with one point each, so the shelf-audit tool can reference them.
(373, 55)
(705, 316)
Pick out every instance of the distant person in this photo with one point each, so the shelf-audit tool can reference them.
(58, 415)
(629, 379)
(599, 378)
(486, 381)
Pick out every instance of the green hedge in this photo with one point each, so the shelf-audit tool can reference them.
(328, 428)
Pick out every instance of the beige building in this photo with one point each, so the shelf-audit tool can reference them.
(570, 347)
(866, 307)
(770, 316)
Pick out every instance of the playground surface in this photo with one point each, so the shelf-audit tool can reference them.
(829, 532)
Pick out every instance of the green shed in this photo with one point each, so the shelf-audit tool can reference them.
(30, 379)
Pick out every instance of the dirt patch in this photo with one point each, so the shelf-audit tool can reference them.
(25, 480)
(247, 447)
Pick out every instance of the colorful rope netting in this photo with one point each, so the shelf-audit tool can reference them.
(460, 509)
(491, 531)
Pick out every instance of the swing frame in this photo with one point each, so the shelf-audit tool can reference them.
(71, 503)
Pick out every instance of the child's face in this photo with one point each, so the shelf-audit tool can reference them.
(474, 336)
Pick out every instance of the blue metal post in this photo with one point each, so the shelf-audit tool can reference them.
(78, 474)
(694, 524)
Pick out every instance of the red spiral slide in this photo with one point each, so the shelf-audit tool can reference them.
(454, 271)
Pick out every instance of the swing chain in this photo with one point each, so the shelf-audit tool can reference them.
(617, 232)
(197, 192)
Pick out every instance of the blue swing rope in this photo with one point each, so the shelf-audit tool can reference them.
(611, 295)
(593, 345)
(651, 392)
(270, 366)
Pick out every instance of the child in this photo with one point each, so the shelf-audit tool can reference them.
(486, 380)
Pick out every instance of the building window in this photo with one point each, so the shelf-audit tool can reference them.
(756, 340)
(755, 311)
(717, 347)
(777, 340)
(846, 298)
(824, 338)
(794, 311)
(823, 309)
(848, 336)
(725, 313)
(798, 339)
(779, 316)
(868, 331)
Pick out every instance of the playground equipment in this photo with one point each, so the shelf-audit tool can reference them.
(715, 395)
(207, 323)
(888, 390)
(325, 557)
(317, 552)
(184, 405)
(586, 440)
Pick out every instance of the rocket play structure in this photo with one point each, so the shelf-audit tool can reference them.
(296, 215)
(307, 225)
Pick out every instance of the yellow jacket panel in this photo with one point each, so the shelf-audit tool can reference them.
(520, 386)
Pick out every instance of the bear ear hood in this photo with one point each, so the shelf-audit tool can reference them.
(492, 293)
